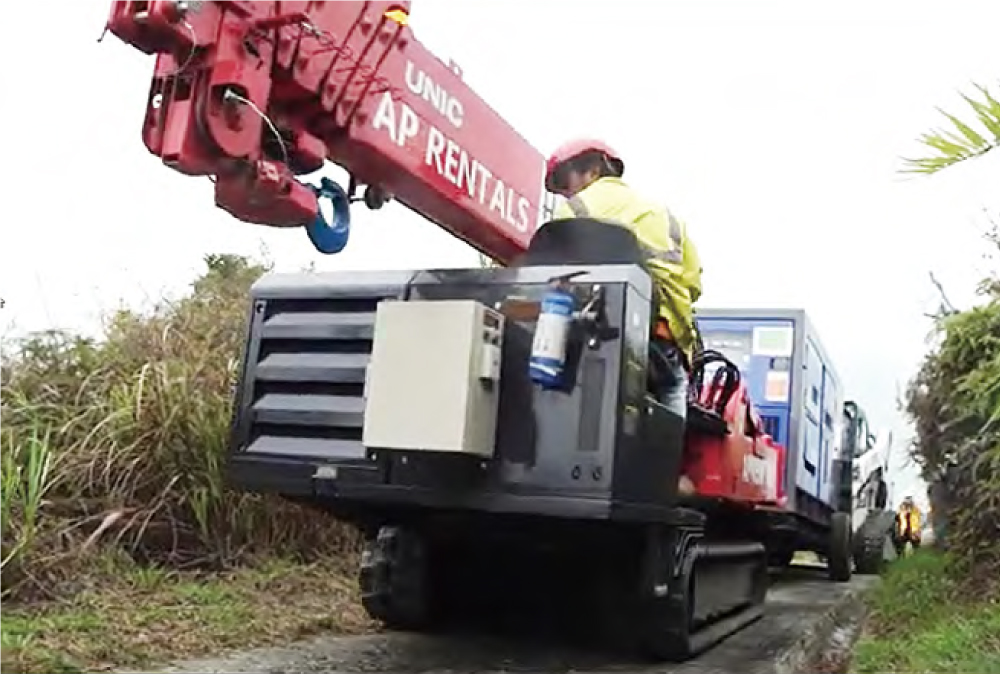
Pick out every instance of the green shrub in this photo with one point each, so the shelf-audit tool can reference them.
(954, 402)
(121, 441)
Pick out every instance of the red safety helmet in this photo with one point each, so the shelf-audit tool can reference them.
(575, 148)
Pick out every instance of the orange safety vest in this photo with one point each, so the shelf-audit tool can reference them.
(662, 330)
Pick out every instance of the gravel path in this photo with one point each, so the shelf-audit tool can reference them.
(799, 604)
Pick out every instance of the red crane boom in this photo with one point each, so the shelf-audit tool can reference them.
(254, 94)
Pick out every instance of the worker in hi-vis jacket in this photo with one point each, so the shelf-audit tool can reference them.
(908, 525)
(588, 173)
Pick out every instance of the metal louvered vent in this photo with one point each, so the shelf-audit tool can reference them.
(308, 375)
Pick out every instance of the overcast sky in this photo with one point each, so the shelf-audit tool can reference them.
(773, 127)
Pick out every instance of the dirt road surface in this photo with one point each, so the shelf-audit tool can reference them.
(802, 607)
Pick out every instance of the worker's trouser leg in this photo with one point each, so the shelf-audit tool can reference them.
(672, 392)
(673, 389)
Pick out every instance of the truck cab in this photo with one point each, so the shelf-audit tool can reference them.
(872, 521)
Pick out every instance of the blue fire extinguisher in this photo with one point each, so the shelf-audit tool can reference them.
(548, 349)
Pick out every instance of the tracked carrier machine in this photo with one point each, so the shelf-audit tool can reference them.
(478, 425)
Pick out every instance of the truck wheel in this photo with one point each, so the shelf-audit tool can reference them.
(839, 558)
(394, 578)
(874, 536)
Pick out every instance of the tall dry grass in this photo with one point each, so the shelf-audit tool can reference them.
(121, 442)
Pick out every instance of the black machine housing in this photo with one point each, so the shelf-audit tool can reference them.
(601, 449)
(584, 478)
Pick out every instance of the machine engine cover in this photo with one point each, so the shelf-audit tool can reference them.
(600, 448)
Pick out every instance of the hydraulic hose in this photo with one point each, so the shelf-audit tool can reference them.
(725, 381)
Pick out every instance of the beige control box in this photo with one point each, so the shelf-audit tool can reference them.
(433, 380)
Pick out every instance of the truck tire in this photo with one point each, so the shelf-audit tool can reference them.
(871, 540)
(394, 578)
(839, 558)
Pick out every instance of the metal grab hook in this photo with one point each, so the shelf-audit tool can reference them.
(330, 237)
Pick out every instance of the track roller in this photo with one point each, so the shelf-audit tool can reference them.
(395, 578)
(696, 592)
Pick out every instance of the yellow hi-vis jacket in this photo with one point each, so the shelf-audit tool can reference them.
(673, 261)
(911, 517)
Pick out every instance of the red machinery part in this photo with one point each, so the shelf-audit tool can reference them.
(746, 464)
(255, 93)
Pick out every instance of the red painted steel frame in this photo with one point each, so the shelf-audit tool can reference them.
(254, 93)
(746, 465)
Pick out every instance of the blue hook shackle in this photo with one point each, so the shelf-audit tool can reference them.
(330, 237)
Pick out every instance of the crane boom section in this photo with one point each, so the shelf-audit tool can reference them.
(257, 93)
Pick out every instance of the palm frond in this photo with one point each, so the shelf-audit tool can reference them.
(961, 142)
